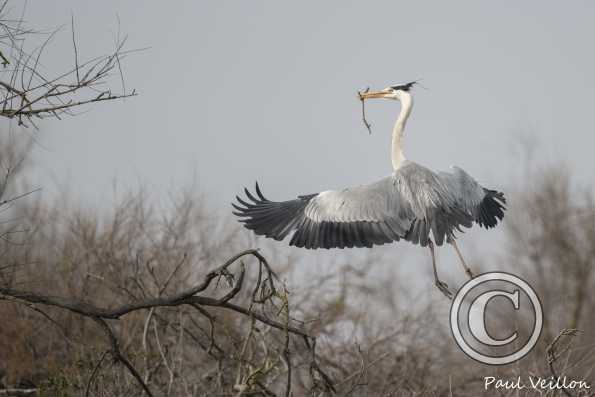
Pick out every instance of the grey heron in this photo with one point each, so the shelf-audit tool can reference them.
(413, 204)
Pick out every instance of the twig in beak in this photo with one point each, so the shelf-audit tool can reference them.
(361, 98)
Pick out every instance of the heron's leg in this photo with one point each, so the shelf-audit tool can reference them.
(442, 286)
(465, 267)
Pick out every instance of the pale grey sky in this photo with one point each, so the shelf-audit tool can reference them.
(234, 91)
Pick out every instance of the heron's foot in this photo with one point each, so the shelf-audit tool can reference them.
(469, 273)
(443, 287)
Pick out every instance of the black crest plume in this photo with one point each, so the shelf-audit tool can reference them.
(404, 87)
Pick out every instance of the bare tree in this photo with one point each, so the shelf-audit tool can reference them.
(28, 93)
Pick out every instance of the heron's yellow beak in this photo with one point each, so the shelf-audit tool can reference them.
(373, 94)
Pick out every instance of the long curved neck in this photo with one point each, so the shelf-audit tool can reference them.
(397, 147)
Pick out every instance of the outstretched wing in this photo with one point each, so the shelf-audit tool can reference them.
(410, 204)
(355, 217)
(484, 205)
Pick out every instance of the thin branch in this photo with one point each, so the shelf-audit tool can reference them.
(10, 200)
(76, 56)
(115, 351)
(552, 352)
(94, 373)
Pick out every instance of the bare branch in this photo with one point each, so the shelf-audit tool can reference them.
(28, 93)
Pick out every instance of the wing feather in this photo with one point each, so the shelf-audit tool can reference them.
(410, 204)
(364, 215)
(485, 206)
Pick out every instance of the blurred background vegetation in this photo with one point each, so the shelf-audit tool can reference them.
(360, 325)
(370, 339)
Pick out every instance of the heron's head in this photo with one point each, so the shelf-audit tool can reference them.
(395, 92)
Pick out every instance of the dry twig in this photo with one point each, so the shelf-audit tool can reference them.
(361, 98)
